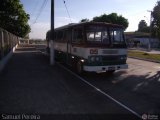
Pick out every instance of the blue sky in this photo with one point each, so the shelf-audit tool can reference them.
(133, 10)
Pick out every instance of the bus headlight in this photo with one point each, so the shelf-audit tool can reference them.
(97, 59)
(92, 58)
(121, 58)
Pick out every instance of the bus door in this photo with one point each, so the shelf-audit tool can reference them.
(69, 46)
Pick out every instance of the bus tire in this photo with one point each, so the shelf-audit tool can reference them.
(79, 67)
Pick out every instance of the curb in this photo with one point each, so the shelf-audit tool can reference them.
(5, 60)
(155, 61)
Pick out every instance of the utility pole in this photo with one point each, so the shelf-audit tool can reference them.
(150, 30)
(52, 61)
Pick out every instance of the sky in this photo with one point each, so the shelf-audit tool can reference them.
(133, 10)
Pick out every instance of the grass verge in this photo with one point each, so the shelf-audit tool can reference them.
(144, 55)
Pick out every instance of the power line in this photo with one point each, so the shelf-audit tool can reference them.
(40, 10)
(67, 10)
(35, 6)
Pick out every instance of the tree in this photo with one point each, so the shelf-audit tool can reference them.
(156, 19)
(84, 20)
(142, 27)
(142, 24)
(112, 18)
(13, 17)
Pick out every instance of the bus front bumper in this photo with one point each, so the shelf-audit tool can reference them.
(104, 68)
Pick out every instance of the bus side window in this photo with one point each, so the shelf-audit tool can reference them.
(69, 35)
(64, 35)
(59, 36)
(78, 36)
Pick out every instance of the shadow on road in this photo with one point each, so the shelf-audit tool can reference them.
(138, 91)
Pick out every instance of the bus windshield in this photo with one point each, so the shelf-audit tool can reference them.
(105, 35)
(116, 35)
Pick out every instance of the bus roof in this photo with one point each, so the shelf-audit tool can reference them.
(88, 23)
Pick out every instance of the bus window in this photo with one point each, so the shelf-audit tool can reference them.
(59, 36)
(90, 36)
(98, 36)
(69, 35)
(117, 36)
(78, 36)
(94, 36)
(65, 35)
(105, 37)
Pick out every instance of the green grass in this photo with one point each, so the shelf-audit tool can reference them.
(144, 55)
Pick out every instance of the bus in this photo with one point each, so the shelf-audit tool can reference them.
(90, 46)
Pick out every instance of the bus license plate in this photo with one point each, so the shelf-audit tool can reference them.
(111, 68)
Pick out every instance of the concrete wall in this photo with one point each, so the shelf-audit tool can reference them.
(8, 44)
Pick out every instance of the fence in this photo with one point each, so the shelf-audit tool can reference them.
(7, 42)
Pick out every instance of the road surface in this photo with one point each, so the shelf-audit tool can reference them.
(30, 85)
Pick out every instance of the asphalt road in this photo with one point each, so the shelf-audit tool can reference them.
(30, 85)
(137, 87)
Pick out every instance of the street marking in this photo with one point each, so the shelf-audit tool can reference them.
(102, 92)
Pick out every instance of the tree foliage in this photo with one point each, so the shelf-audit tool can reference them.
(13, 18)
(142, 24)
(112, 18)
(142, 27)
(156, 19)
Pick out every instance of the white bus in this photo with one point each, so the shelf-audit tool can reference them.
(90, 46)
